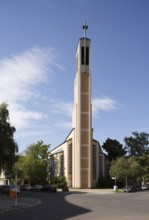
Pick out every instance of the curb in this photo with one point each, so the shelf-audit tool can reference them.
(93, 191)
(13, 208)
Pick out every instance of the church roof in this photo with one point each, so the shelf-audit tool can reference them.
(67, 139)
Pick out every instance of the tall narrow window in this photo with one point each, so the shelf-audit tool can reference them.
(94, 162)
(52, 168)
(61, 165)
(85, 55)
(70, 159)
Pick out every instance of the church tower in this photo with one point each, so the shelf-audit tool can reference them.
(82, 116)
(79, 158)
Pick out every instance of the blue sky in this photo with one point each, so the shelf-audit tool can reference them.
(38, 41)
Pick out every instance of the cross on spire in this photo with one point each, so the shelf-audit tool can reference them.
(85, 27)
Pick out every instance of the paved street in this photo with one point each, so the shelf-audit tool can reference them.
(84, 206)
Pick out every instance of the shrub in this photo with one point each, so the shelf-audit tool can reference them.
(59, 181)
(105, 182)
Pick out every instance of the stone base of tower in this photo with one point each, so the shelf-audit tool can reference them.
(61, 162)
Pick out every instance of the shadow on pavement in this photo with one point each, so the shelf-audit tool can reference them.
(66, 209)
(54, 206)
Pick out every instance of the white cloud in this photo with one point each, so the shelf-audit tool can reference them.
(61, 107)
(19, 76)
(98, 104)
(33, 133)
(104, 104)
(64, 125)
(21, 117)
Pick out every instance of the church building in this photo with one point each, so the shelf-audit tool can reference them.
(80, 158)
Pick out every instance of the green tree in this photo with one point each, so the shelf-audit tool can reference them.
(136, 170)
(34, 163)
(125, 168)
(144, 163)
(8, 146)
(120, 169)
(138, 144)
(114, 149)
(59, 181)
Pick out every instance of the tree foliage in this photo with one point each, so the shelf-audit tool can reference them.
(114, 149)
(59, 181)
(144, 163)
(127, 168)
(119, 168)
(8, 146)
(34, 163)
(105, 182)
(138, 144)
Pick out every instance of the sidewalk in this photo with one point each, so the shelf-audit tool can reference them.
(93, 191)
(8, 204)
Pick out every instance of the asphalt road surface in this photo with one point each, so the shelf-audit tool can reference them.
(84, 206)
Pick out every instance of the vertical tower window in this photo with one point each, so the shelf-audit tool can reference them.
(85, 55)
(94, 162)
(62, 165)
(70, 159)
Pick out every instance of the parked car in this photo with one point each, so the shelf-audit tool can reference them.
(130, 188)
(25, 187)
(65, 189)
(22, 187)
(48, 188)
(145, 187)
(36, 188)
(5, 189)
(28, 187)
(138, 187)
